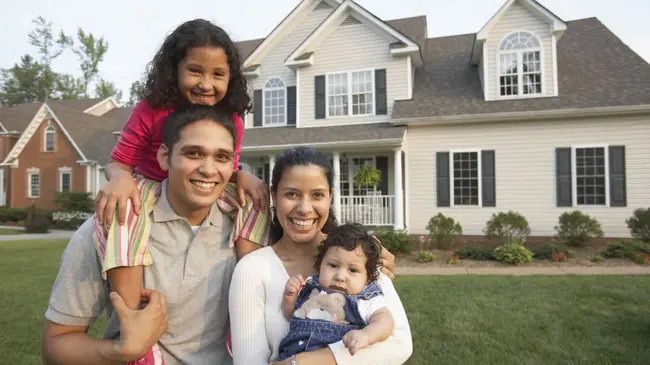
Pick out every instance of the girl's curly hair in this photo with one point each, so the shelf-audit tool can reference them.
(348, 236)
(160, 87)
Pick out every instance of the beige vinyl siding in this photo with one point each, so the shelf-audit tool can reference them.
(518, 18)
(352, 48)
(273, 63)
(525, 169)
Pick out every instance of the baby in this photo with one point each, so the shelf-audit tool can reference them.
(343, 301)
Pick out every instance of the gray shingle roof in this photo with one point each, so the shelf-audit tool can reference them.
(257, 137)
(247, 47)
(17, 117)
(596, 69)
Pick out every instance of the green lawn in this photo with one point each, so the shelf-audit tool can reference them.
(459, 320)
(9, 231)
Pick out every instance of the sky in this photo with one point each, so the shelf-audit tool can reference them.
(134, 29)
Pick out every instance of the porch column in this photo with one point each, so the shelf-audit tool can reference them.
(271, 165)
(337, 186)
(399, 194)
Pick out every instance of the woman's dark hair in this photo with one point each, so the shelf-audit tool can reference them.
(186, 114)
(349, 236)
(160, 87)
(300, 156)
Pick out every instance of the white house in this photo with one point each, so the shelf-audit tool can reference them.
(532, 113)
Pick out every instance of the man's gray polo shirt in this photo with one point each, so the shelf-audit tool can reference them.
(193, 271)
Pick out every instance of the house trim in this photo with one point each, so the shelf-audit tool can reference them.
(31, 172)
(410, 48)
(298, 98)
(112, 99)
(486, 77)
(281, 26)
(409, 78)
(46, 130)
(554, 55)
(3, 129)
(525, 115)
(64, 170)
(370, 143)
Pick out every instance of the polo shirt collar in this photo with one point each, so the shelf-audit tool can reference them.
(163, 212)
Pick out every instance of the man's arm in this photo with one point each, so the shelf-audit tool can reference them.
(72, 345)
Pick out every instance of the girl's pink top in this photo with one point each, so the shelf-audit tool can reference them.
(142, 135)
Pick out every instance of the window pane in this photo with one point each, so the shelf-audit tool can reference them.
(466, 182)
(362, 93)
(590, 176)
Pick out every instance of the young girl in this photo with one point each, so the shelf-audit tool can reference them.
(197, 64)
(343, 301)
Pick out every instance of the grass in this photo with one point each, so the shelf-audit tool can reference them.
(454, 319)
(9, 231)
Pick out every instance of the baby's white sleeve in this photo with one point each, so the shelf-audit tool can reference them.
(368, 307)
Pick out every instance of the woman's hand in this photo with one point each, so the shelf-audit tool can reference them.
(117, 191)
(387, 261)
(256, 188)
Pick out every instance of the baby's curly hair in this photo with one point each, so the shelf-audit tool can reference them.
(160, 86)
(349, 236)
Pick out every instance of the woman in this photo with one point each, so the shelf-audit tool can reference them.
(301, 190)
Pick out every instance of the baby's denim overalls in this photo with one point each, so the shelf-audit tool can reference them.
(313, 334)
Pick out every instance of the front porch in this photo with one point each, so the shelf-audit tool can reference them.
(378, 206)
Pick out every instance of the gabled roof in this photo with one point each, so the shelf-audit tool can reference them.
(346, 6)
(17, 117)
(595, 69)
(557, 24)
(247, 47)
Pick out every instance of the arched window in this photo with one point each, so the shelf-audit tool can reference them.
(49, 139)
(275, 102)
(520, 65)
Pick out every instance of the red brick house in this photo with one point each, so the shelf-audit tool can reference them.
(54, 146)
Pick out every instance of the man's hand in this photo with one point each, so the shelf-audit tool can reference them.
(117, 192)
(356, 340)
(256, 188)
(294, 284)
(140, 329)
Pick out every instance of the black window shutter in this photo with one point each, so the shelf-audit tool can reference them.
(488, 179)
(563, 177)
(442, 179)
(382, 165)
(291, 105)
(257, 108)
(319, 96)
(380, 92)
(617, 188)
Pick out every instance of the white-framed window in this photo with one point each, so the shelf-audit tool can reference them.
(33, 183)
(275, 102)
(345, 177)
(49, 136)
(350, 93)
(520, 65)
(465, 170)
(65, 179)
(591, 175)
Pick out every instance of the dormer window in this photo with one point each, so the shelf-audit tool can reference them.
(275, 102)
(520, 68)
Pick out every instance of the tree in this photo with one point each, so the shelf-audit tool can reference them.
(42, 38)
(134, 93)
(90, 52)
(69, 87)
(105, 89)
(23, 83)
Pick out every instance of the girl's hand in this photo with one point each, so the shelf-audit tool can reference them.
(117, 191)
(256, 188)
(294, 284)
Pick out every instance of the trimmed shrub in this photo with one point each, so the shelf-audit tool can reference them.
(626, 249)
(394, 241)
(576, 228)
(508, 227)
(546, 251)
(444, 230)
(513, 253)
(36, 222)
(639, 224)
(425, 256)
(75, 202)
(597, 258)
(476, 252)
(12, 214)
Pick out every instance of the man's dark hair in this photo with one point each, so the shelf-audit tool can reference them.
(349, 236)
(186, 114)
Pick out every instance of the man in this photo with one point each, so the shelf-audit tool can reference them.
(192, 263)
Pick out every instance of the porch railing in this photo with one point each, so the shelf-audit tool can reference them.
(370, 210)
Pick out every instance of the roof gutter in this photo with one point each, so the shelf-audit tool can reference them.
(526, 115)
(388, 142)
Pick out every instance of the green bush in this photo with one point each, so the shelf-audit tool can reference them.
(545, 251)
(626, 249)
(75, 202)
(639, 224)
(507, 227)
(444, 230)
(513, 253)
(36, 222)
(576, 228)
(476, 252)
(597, 258)
(394, 241)
(8, 214)
(425, 256)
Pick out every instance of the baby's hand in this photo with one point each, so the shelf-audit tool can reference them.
(356, 340)
(294, 284)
